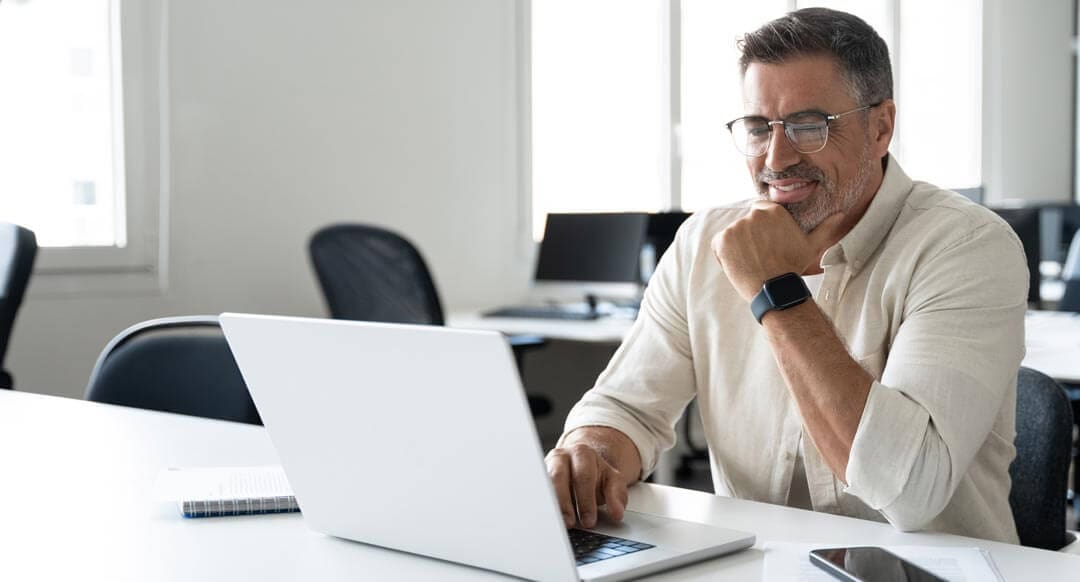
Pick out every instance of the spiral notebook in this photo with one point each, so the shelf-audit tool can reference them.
(224, 491)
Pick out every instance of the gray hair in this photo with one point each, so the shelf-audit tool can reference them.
(861, 53)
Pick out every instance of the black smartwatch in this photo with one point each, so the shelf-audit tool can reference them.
(779, 293)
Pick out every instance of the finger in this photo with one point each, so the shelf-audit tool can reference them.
(615, 495)
(828, 232)
(585, 469)
(760, 204)
(558, 466)
(718, 246)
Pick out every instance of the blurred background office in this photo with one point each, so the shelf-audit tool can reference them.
(175, 157)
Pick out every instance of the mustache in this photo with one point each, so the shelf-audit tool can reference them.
(802, 170)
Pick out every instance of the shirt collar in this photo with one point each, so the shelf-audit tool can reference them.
(865, 237)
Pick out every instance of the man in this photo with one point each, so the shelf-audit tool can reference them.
(887, 389)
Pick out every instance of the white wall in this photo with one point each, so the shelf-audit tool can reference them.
(286, 117)
(1028, 101)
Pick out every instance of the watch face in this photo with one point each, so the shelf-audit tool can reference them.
(787, 290)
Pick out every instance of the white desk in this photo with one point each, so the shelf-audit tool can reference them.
(77, 482)
(1052, 337)
(602, 330)
(1053, 344)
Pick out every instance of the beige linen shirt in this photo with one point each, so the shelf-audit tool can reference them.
(928, 291)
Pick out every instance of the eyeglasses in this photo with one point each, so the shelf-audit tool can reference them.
(807, 131)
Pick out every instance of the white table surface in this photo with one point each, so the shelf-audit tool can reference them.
(1053, 344)
(601, 330)
(1052, 337)
(77, 479)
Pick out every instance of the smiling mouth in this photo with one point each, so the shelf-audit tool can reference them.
(791, 191)
(790, 187)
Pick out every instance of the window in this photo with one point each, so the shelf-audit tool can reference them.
(599, 106)
(713, 172)
(629, 99)
(79, 149)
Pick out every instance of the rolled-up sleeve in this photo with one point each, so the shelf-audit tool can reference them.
(950, 369)
(650, 379)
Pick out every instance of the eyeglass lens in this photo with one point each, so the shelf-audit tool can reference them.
(807, 133)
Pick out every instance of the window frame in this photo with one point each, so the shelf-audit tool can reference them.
(139, 31)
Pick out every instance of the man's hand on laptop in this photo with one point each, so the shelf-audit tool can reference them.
(593, 468)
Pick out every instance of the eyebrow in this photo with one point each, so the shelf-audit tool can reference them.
(793, 114)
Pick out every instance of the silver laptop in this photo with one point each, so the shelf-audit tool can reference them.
(419, 438)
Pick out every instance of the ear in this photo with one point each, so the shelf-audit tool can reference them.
(882, 124)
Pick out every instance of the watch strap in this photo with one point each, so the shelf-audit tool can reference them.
(761, 305)
(763, 301)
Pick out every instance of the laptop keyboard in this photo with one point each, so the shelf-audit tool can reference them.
(592, 547)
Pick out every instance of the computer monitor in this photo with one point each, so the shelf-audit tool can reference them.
(591, 254)
(603, 247)
(595, 257)
(658, 237)
(1026, 223)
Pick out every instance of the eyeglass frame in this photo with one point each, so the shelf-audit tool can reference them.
(829, 118)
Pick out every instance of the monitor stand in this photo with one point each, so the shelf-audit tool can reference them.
(592, 301)
(611, 306)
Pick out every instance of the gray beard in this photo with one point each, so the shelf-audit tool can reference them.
(830, 197)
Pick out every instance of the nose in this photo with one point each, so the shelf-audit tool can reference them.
(781, 154)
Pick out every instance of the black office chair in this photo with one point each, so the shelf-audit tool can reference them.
(1070, 299)
(368, 273)
(1040, 471)
(18, 248)
(173, 364)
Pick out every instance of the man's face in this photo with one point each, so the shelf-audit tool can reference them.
(811, 187)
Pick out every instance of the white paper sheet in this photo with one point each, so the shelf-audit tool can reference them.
(212, 483)
(790, 562)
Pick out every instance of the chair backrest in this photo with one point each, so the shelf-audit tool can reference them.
(18, 248)
(369, 273)
(1071, 269)
(1070, 299)
(173, 364)
(1040, 471)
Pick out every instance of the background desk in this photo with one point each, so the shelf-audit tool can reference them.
(610, 330)
(77, 483)
(1052, 337)
(1053, 344)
